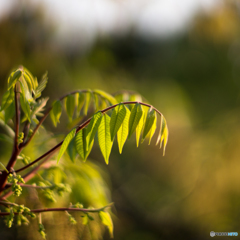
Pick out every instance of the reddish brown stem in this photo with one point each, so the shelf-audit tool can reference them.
(85, 210)
(16, 149)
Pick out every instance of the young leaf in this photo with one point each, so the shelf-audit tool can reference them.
(81, 144)
(25, 90)
(104, 137)
(41, 85)
(28, 81)
(117, 118)
(123, 131)
(107, 96)
(79, 102)
(135, 116)
(25, 107)
(65, 144)
(7, 99)
(13, 78)
(87, 102)
(31, 78)
(107, 220)
(56, 112)
(70, 106)
(151, 116)
(92, 128)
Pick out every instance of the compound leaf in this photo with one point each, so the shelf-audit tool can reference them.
(56, 112)
(25, 107)
(87, 102)
(70, 106)
(13, 78)
(135, 116)
(151, 116)
(41, 86)
(92, 128)
(118, 115)
(81, 144)
(7, 99)
(65, 143)
(104, 137)
(123, 131)
(79, 102)
(107, 96)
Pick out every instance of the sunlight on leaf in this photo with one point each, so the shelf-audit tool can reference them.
(104, 137)
(123, 131)
(118, 115)
(65, 144)
(135, 116)
(107, 220)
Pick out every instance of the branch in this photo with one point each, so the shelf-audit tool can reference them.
(85, 210)
(29, 186)
(17, 112)
(53, 150)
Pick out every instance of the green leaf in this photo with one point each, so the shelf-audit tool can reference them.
(70, 106)
(87, 102)
(107, 96)
(7, 99)
(152, 130)
(25, 107)
(9, 112)
(31, 78)
(151, 116)
(79, 102)
(25, 90)
(71, 150)
(123, 131)
(39, 106)
(104, 137)
(164, 136)
(65, 143)
(41, 85)
(56, 112)
(81, 144)
(162, 126)
(92, 128)
(118, 115)
(107, 220)
(139, 128)
(85, 219)
(135, 116)
(28, 81)
(3, 167)
(13, 78)
(96, 101)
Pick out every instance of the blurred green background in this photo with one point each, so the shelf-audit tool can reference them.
(192, 77)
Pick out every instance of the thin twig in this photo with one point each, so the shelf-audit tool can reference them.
(17, 113)
(85, 210)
